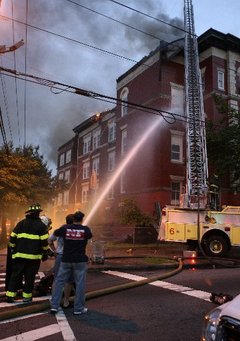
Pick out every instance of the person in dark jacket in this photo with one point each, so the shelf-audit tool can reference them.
(74, 261)
(28, 243)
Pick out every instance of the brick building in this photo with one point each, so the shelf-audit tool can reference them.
(152, 110)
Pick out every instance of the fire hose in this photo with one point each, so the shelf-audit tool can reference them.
(32, 308)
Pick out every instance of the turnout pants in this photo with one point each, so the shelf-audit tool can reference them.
(23, 270)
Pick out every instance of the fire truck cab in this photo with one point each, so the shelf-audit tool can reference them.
(217, 231)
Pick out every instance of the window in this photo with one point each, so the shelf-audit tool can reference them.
(68, 156)
(124, 141)
(67, 176)
(175, 193)
(177, 97)
(176, 146)
(111, 161)
(60, 176)
(124, 97)
(111, 131)
(95, 165)
(65, 197)
(85, 191)
(59, 199)
(86, 144)
(238, 81)
(110, 194)
(123, 182)
(61, 159)
(86, 170)
(175, 152)
(220, 80)
(96, 139)
(203, 78)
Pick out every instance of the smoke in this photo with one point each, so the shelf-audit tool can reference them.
(50, 117)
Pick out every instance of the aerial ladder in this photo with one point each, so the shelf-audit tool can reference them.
(197, 164)
(193, 222)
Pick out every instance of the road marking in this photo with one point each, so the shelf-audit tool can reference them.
(64, 326)
(35, 333)
(61, 326)
(203, 295)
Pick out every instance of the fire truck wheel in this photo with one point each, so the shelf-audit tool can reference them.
(216, 246)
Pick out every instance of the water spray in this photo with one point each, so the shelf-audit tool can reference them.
(121, 167)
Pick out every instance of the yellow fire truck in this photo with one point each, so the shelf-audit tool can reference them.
(217, 231)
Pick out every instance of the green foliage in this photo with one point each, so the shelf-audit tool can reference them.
(24, 178)
(130, 214)
(223, 142)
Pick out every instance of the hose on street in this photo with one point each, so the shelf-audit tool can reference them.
(21, 310)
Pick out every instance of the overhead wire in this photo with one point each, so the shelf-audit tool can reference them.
(88, 45)
(5, 105)
(94, 95)
(168, 116)
(149, 16)
(3, 132)
(115, 20)
(73, 40)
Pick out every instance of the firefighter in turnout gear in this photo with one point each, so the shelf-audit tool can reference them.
(28, 243)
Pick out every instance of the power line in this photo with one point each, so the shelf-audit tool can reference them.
(73, 40)
(115, 20)
(61, 87)
(3, 132)
(149, 16)
(168, 116)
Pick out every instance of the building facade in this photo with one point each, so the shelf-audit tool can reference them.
(137, 149)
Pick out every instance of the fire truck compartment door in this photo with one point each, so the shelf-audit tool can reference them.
(235, 235)
(175, 231)
(191, 231)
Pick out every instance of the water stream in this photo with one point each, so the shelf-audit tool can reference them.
(130, 155)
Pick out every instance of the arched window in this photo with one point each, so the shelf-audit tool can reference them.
(124, 97)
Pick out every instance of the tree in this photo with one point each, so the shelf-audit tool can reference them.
(130, 214)
(223, 143)
(24, 179)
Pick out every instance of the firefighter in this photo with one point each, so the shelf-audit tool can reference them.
(29, 245)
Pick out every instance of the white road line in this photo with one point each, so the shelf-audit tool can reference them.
(21, 318)
(64, 326)
(61, 326)
(203, 295)
(35, 333)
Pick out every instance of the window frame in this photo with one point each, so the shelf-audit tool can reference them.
(124, 97)
(220, 79)
(68, 156)
(86, 170)
(176, 140)
(111, 160)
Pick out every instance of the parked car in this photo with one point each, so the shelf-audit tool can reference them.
(223, 322)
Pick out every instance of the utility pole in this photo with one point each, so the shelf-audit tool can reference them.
(4, 49)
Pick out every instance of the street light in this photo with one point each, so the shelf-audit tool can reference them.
(4, 49)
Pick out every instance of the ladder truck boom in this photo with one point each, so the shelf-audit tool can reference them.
(197, 165)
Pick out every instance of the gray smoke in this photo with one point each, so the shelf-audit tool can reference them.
(51, 116)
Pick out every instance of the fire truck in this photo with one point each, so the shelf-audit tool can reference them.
(215, 231)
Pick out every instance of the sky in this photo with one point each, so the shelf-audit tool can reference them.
(86, 44)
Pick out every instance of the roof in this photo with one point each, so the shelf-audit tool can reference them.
(210, 38)
(214, 38)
